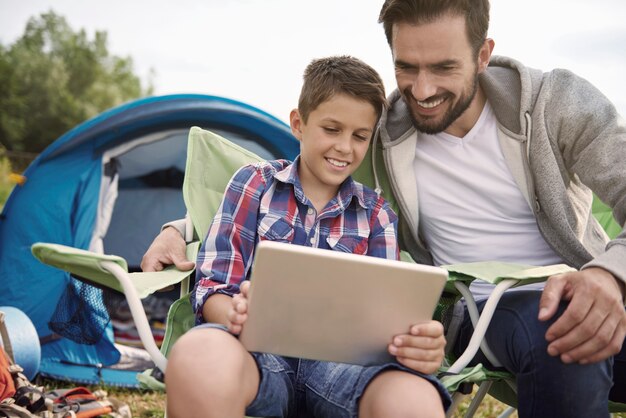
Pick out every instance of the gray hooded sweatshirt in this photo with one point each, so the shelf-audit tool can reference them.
(562, 139)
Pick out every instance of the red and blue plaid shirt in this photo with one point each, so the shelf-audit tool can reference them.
(265, 201)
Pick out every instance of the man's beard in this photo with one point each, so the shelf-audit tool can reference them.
(452, 114)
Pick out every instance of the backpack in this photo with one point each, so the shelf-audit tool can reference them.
(19, 398)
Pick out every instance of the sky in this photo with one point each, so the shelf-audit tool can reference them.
(256, 50)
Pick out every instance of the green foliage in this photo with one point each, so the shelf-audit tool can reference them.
(53, 78)
(5, 184)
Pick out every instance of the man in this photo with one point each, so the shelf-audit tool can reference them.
(501, 159)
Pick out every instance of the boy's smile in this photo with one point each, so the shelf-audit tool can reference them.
(333, 142)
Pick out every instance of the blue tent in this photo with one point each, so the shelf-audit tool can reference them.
(108, 185)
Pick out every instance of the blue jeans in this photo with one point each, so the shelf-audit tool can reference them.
(292, 387)
(546, 386)
(299, 388)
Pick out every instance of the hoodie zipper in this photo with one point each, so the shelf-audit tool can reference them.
(531, 186)
(377, 188)
(530, 181)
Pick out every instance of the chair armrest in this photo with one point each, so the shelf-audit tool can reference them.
(82, 263)
(503, 276)
(111, 271)
(494, 272)
(87, 266)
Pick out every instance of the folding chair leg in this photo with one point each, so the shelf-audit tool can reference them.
(507, 412)
(139, 315)
(483, 389)
(457, 398)
(481, 326)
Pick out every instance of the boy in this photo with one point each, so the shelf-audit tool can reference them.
(312, 201)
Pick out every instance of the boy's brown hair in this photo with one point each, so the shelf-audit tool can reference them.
(325, 77)
(476, 14)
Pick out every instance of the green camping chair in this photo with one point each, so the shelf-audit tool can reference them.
(501, 385)
(211, 161)
(457, 377)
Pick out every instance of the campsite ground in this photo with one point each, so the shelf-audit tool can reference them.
(152, 404)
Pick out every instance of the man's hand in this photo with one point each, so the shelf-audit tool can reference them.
(166, 249)
(238, 312)
(593, 326)
(422, 349)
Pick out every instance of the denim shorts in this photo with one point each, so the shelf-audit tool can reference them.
(292, 387)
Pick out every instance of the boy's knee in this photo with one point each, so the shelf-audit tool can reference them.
(400, 394)
(205, 355)
(194, 344)
(206, 367)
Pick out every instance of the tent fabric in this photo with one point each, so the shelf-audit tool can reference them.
(61, 201)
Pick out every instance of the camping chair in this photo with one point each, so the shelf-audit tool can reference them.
(504, 275)
(211, 162)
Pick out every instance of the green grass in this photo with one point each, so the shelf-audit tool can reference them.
(152, 404)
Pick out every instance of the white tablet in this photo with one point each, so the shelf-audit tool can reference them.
(334, 306)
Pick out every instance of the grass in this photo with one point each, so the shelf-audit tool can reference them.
(145, 404)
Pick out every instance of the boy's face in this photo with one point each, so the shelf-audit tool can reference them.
(437, 72)
(333, 142)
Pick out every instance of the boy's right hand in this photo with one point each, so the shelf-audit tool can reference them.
(422, 349)
(166, 249)
(238, 312)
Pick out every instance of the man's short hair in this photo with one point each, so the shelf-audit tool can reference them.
(326, 77)
(476, 14)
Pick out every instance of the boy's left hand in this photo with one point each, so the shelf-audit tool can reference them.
(238, 312)
(422, 349)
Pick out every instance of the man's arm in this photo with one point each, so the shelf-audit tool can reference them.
(593, 325)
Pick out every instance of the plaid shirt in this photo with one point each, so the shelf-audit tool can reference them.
(265, 201)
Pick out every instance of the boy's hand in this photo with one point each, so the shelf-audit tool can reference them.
(422, 349)
(238, 312)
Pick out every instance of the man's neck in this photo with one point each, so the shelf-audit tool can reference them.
(468, 119)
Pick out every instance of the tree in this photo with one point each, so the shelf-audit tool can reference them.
(53, 78)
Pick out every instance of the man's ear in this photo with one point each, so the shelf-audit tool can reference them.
(484, 55)
(295, 121)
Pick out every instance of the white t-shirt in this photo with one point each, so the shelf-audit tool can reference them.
(470, 207)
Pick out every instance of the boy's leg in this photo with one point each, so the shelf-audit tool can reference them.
(399, 394)
(210, 374)
(337, 390)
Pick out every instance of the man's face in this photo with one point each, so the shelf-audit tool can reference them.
(437, 73)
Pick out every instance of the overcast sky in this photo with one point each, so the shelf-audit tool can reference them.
(256, 50)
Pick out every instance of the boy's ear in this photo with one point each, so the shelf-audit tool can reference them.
(295, 121)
